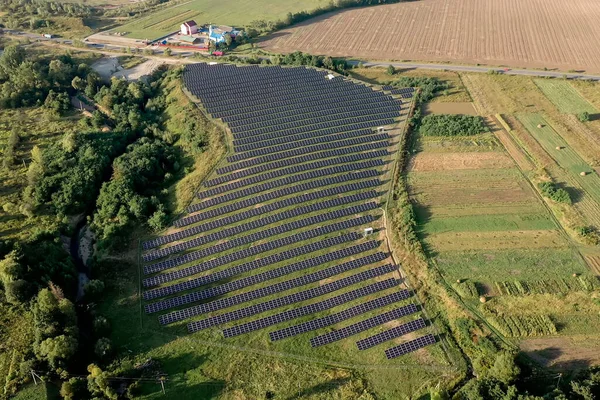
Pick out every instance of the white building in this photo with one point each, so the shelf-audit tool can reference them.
(189, 28)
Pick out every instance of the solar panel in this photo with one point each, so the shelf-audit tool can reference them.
(306, 310)
(290, 299)
(361, 326)
(249, 266)
(341, 316)
(225, 233)
(391, 334)
(252, 251)
(410, 346)
(276, 273)
(261, 292)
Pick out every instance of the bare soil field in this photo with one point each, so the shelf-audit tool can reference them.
(518, 33)
(450, 108)
(563, 352)
(454, 161)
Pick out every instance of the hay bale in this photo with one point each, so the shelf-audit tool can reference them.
(540, 126)
(558, 148)
(583, 173)
(482, 299)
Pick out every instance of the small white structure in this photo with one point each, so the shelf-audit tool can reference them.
(330, 76)
(381, 129)
(189, 28)
(368, 231)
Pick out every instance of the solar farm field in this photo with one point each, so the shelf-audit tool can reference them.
(284, 249)
(242, 13)
(516, 33)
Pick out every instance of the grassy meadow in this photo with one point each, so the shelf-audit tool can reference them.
(216, 12)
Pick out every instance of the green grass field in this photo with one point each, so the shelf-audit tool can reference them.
(513, 264)
(566, 157)
(564, 96)
(474, 223)
(241, 13)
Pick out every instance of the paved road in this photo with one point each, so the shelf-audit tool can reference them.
(401, 65)
(468, 68)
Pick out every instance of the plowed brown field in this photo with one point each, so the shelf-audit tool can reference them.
(518, 33)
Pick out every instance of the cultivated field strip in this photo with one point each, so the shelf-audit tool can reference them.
(282, 222)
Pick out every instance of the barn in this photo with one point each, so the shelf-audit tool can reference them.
(189, 28)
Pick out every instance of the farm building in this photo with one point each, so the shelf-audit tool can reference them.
(217, 33)
(189, 28)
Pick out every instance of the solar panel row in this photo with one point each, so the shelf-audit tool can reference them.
(382, 138)
(249, 266)
(279, 272)
(350, 161)
(390, 334)
(298, 199)
(288, 190)
(339, 157)
(255, 250)
(269, 220)
(297, 120)
(260, 235)
(342, 315)
(363, 325)
(289, 299)
(306, 310)
(311, 125)
(293, 144)
(262, 292)
(311, 110)
(410, 346)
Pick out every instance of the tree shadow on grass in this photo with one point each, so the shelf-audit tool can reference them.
(575, 194)
(179, 372)
(320, 389)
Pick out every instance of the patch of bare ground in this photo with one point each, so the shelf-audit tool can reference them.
(465, 108)
(454, 161)
(570, 352)
(460, 241)
(517, 33)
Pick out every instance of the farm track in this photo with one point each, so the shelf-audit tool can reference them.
(531, 33)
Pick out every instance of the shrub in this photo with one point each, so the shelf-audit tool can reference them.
(553, 192)
(452, 125)
(391, 70)
(583, 116)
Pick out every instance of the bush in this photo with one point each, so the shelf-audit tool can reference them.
(451, 125)
(584, 116)
(391, 70)
(553, 192)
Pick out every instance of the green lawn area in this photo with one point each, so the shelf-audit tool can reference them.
(241, 13)
(566, 157)
(490, 266)
(477, 223)
(564, 96)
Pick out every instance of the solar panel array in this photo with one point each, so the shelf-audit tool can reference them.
(252, 251)
(249, 266)
(305, 310)
(291, 199)
(289, 299)
(267, 290)
(343, 315)
(362, 326)
(286, 191)
(269, 220)
(391, 333)
(410, 346)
